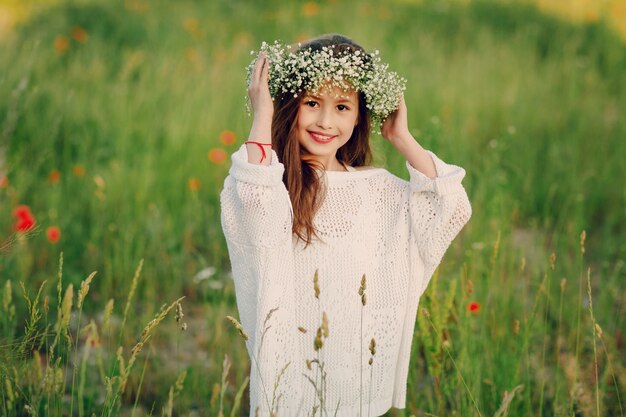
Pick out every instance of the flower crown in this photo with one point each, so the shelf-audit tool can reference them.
(307, 70)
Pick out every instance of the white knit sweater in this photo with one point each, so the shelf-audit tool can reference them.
(371, 222)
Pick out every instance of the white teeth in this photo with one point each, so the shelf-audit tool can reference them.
(320, 137)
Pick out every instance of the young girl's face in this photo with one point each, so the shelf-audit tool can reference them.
(326, 120)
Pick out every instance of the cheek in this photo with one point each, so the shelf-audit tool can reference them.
(350, 124)
(303, 118)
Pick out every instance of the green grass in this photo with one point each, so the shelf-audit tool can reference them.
(530, 105)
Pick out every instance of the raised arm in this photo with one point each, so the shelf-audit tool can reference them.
(396, 130)
(438, 203)
(256, 219)
(263, 108)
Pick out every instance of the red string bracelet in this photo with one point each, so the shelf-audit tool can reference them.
(260, 145)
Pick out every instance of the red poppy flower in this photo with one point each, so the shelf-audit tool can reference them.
(192, 55)
(78, 170)
(4, 181)
(61, 43)
(217, 155)
(228, 137)
(53, 233)
(79, 34)
(193, 184)
(54, 176)
(25, 219)
(191, 26)
(310, 9)
(473, 307)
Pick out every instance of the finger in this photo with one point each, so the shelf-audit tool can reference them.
(265, 72)
(401, 102)
(258, 66)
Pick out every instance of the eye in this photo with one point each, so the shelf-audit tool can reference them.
(310, 103)
(342, 107)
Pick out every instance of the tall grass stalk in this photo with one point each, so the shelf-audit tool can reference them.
(125, 369)
(371, 365)
(583, 237)
(363, 302)
(548, 278)
(503, 411)
(129, 299)
(254, 360)
(35, 315)
(225, 371)
(238, 397)
(91, 340)
(593, 335)
(557, 351)
(609, 362)
(82, 293)
(173, 393)
(141, 380)
(458, 370)
(529, 322)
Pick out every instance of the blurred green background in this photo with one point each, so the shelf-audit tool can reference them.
(117, 120)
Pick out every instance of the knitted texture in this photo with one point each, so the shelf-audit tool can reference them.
(371, 222)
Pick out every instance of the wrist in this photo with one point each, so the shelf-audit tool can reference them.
(402, 140)
(264, 115)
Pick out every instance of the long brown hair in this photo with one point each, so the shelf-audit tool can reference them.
(306, 191)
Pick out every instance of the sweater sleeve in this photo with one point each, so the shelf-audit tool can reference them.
(438, 208)
(256, 221)
(256, 209)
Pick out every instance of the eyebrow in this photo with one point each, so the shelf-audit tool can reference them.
(339, 100)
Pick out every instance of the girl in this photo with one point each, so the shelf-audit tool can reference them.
(330, 255)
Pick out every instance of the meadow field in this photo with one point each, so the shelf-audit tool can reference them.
(117, 121)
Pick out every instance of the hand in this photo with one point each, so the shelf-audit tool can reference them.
(396, 130)
(395, 127)
(258, 90)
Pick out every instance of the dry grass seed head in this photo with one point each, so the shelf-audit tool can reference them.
(179, 316)
(238, 326)
(84, 289)
(598, 330)
(515, 327)
(66, 308)
(583, 237)
(316, 286)
(503, 411)
(133, 287)
(38, 366)
(106, 315)
(318, 343)
(269, 315)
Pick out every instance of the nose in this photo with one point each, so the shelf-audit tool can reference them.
(324, 119)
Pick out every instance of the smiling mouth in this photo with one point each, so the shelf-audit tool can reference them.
(320, 138)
